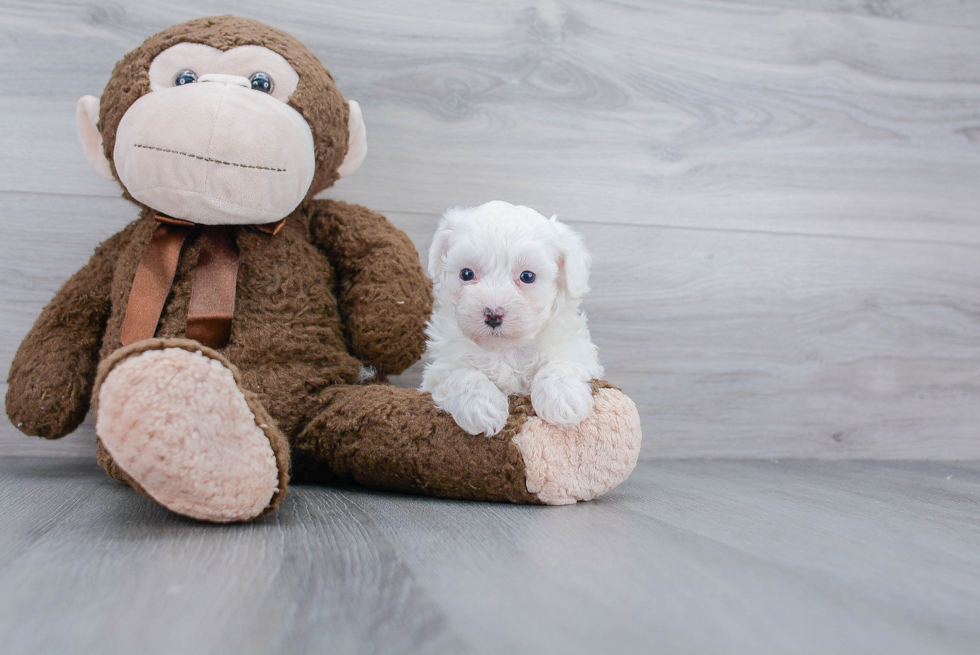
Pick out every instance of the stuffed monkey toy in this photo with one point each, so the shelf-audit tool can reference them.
(241, 331)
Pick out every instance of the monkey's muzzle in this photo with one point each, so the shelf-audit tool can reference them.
(215, 154)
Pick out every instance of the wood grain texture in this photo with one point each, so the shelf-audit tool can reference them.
(687, 556)
(316, 580)
(781, 198)
(690, 114)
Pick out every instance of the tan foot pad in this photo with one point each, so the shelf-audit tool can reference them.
(565, 465)
(177, 423)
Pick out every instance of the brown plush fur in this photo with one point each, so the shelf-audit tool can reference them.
(308, 313)
(50, 379)
(388, 438)
(338, 288)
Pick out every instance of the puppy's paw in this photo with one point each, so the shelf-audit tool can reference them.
(481, 411)
(561, 400)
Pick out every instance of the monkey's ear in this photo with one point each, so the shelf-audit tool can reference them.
(357, 142)
(87, 118)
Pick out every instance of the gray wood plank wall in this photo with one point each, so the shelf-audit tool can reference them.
(781, 197)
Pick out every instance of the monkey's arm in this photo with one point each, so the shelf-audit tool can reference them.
(51, 377)
(385, 297)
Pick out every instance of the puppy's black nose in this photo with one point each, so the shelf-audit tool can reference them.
(493, 317)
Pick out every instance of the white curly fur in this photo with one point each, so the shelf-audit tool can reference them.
(542, 343)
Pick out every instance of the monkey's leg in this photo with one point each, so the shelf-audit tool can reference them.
(389, 438)
(174, 422)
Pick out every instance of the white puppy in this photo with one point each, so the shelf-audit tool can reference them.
(508, 284)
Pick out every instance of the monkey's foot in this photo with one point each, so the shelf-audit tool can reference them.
(174, 418)
(567, 464)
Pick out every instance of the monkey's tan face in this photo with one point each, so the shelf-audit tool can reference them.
(214, 141)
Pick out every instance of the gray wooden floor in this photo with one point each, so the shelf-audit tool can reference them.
(783, 204)
(688, 557)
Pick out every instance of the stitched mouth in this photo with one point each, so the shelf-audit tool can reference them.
(210, 159)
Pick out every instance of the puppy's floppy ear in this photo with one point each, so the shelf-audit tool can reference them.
(440, 242)
(573, 261)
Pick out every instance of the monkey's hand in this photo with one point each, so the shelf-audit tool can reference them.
(51, 377)
(385, 297)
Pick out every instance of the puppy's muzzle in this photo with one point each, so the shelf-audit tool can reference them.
(493, 317)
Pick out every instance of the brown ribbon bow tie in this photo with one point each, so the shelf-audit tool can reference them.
(212, 302)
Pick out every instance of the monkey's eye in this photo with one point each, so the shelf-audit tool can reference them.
(261, 82)
(186, 77)
(466, 274)
(527, 277)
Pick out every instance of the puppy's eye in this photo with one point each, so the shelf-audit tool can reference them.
(185, 77)
(466, 274)
(261, 82)
(527, 277)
